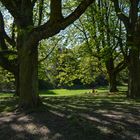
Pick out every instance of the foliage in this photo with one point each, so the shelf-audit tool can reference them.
(6, 80)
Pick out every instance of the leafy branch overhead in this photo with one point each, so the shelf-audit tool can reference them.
(56, 22)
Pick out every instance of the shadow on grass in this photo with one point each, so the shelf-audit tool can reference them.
(8, 103)
(47, 92)
(75, 118)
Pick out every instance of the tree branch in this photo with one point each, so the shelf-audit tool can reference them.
(12, 6)
(4, 35)
(8, 65)
(120, 14)
(56, 10)
(120, 66)
(51, 28)
(33, 2)
(49, 52)
(2, 41)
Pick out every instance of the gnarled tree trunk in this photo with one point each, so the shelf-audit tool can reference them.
(29, 96)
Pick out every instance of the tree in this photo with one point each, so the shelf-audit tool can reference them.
(105, 39)
(26, 40)
(66, 67)
(128, 13)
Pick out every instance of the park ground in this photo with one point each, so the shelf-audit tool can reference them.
(72, 115)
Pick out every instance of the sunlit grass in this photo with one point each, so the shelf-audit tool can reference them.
(70, 92)
(64, 92)
(8, 101)
(122, 88)
(3, 95)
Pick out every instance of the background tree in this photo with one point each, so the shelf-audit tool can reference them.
(128, 13)
(104, 38)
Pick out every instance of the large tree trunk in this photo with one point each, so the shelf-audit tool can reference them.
(111, 75)
(29, 96)
(134, 74)
(16, 76)
(112, 83)
(134, 63)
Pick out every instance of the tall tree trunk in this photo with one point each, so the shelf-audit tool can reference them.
(134, 73)
(16, 76)
(133, 42)
(111, 74)
(112, 82)
(29, 96)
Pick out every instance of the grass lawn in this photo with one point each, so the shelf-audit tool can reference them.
(69, 92)
(72, 115)
(63, 92)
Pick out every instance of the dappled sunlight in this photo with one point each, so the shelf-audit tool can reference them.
(17, 127)
(92, 118)
(57, 113)
(81, 107)
(22, 126)
(75, 118)
(104, 130)
(113, 116)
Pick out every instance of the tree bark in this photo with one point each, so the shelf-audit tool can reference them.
(112, 83)
(134, 74)
(29, 96)
(111, 74)
(133, 41)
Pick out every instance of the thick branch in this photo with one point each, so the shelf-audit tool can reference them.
(9, 40)
(33, 2)
(12, 6)
(77, 13)
(3, 34)
(51, 28)
(122, 65)
(3, 45)
(8, 65)
(2, 41)
(120, 14)
(56, 10)
(133, 13)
